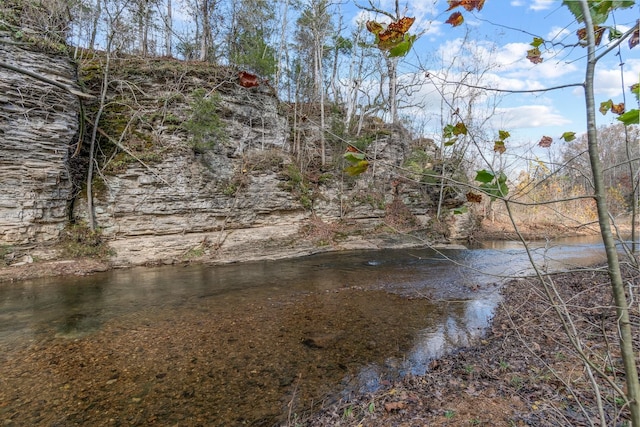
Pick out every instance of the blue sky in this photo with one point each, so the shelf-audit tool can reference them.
(500, 35)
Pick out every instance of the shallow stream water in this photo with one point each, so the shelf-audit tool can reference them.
(246, 344)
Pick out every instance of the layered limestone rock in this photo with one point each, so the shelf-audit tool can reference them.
(177, 189)
(38, 127)
(158, 196)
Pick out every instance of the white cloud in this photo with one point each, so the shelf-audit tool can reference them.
(512, 60)
(608, 82)
(557, 33)
(512, 83)
(538, 5)
(517, 3)
(423, 8)
(529, 116)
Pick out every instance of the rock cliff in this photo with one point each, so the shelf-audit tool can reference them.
(39, 125)
(167, 191)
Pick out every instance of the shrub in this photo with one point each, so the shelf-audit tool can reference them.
(78, 240)
(204, 125)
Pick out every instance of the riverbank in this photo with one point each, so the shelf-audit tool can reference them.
(261, 243)
(519, 374)
(523, 373)
(265, 243)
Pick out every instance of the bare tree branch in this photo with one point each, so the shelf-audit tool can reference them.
(46, 80)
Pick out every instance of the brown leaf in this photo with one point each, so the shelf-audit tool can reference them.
(396, 30)
(473, 197)
(597, 32)
(393, 406)
(533, 55)
(455, 19)
(374, 27)
(248, 80)
(635, 37)
(545, 142)
(469, 5)
(402, 25)
(617, 108)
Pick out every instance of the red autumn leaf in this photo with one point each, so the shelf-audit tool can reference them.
(617, 108)
(396, 30)
(248, 80)
(533, 55)
(402, 25)
(473, 197)
(455, 19)
(635, 37)
(352, 149)
(545, 142)
(469, 5)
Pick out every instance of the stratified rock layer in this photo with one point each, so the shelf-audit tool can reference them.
(160, 198)
(38, 125)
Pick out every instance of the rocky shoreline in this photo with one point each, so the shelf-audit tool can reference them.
(147, 251)
(523, 373)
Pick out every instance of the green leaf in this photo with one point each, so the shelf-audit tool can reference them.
(568, 136)
(605, 107)
(614, 34)
(496, 189)
(353, 157)
(460, 210)
(484, 176)
(403, 47)
(448, 131)
(635, 89)
(598, 9)
(450, 142)
(537, 41)
(631, 117)
(358, 168)
(503, 134)
(494, 186)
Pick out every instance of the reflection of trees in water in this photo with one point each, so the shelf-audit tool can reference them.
(466, 322)
(460, 324)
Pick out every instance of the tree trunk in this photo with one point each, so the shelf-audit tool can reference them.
(392, 67)
(205, 40)
(94, 28)
(319, 87)
(617, 285)
(168, 31)
(145, 27)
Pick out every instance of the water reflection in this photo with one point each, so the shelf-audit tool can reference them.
(255, 337)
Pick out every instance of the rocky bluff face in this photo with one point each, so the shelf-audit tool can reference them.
(39, 128)
(172, 183)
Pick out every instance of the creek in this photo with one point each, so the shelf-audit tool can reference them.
(247, 344)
